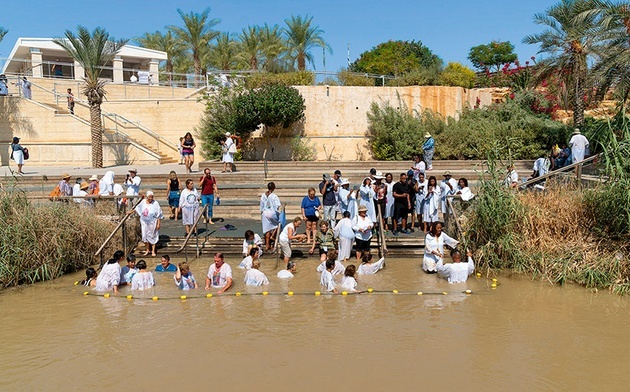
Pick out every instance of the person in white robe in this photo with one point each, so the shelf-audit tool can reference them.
(25, 87)
(389, 206)
(463, 190)
(448, 186)
(106, 184)
(109, 277)
(287, 273)
(368, 267)
(366, 198)
(578, 144)
(327, 279)
(456, 272)
(151, 217)
(345, 234)
(252, 240)
(511, 178)
(255, 277)
(189, 205)
(434, 247)
(248, 261)
(431, 203)
(349, 282)
(143, 279)
(420, 196)
(338, 269)
(229, 148)
(270, 213)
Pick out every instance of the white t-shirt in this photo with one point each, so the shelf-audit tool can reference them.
(338, 270)
(284, 274)
(108, 278)
(254, 277)
(327, 281)
(456, 272)
(349, 283)
(246, 263)
(142, 281)
(219, 278)
(284, 236)
(372, 268)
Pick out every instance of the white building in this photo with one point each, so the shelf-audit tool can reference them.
(41, 57)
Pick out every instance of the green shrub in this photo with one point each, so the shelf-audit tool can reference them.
(394, 133)
(302, 149)
(299, 78)
(347, 78)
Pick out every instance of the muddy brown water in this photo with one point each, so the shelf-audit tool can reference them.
(523, 335)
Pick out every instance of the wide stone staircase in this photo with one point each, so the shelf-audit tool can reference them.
(240, 198)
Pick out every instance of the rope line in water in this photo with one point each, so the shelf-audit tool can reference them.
(278, 293)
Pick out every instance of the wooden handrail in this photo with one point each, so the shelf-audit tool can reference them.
(120, 224)
(203, 213)
(558, 171)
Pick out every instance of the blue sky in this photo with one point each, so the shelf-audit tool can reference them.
(448, 27)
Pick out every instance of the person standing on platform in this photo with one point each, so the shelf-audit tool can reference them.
(579, 144)
(428, 149)
(209, 190)
(70, 98)
(229, 149)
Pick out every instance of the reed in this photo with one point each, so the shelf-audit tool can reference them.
(42, 242)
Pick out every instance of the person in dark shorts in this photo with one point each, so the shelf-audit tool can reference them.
(402, 204)
(311, 208)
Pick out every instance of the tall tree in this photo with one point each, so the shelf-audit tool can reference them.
(273, 46)
(301, 38)
(196, 35)
(396, 58)
(223, 53)
(613, 68)
(569, 41)
(251, 47)
(494, 54)
(93, 51)
(165, 42)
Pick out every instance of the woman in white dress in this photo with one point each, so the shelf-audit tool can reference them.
(431, 203)
(368, 267)
(366, 198)
(348, 198)
(389, 206)
(270, 213)
(255, 277)
(463, 190)
(229, 148)
(151, 217)
(109, 277)
(143, 279)
(345, 234)
(349, 283)
(362, 226)
(434, 247)
(189, 205)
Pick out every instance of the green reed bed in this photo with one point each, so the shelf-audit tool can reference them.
(44, 241)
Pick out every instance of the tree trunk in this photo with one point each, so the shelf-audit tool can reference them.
(578, 103)
(301, 60)
(97, 135)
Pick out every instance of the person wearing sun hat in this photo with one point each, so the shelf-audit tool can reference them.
(229, 149)
(428, 149)
(93, 186)
(579, 144)
(362, 226)
(133, 183)
(64, 185)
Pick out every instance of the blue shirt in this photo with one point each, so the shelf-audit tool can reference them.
(170, 268)
(428, 144)
(310, 205)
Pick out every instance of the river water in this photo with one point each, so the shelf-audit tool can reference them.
(522, 335)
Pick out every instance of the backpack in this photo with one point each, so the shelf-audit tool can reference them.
(26, 155)
(55, 193)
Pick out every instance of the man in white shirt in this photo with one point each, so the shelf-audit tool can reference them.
(457, 272)
(133, 183)
(219, 274)
(578, 144)
(327, 279)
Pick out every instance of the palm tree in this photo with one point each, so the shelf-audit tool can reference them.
(3, 32)
(273, 46)
(196, 35)
(570, 42)
(301, 38)
(92, 51)
(166, 43)
(613, 67)
(251, 46)
(223, 53)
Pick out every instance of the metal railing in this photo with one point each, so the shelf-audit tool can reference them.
(195, 231)
(578, 172)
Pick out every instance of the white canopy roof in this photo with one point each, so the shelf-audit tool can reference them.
(49, 49)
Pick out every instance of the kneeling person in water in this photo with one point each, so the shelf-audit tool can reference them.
(287, 273)
(255, 277)
(457, 272)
